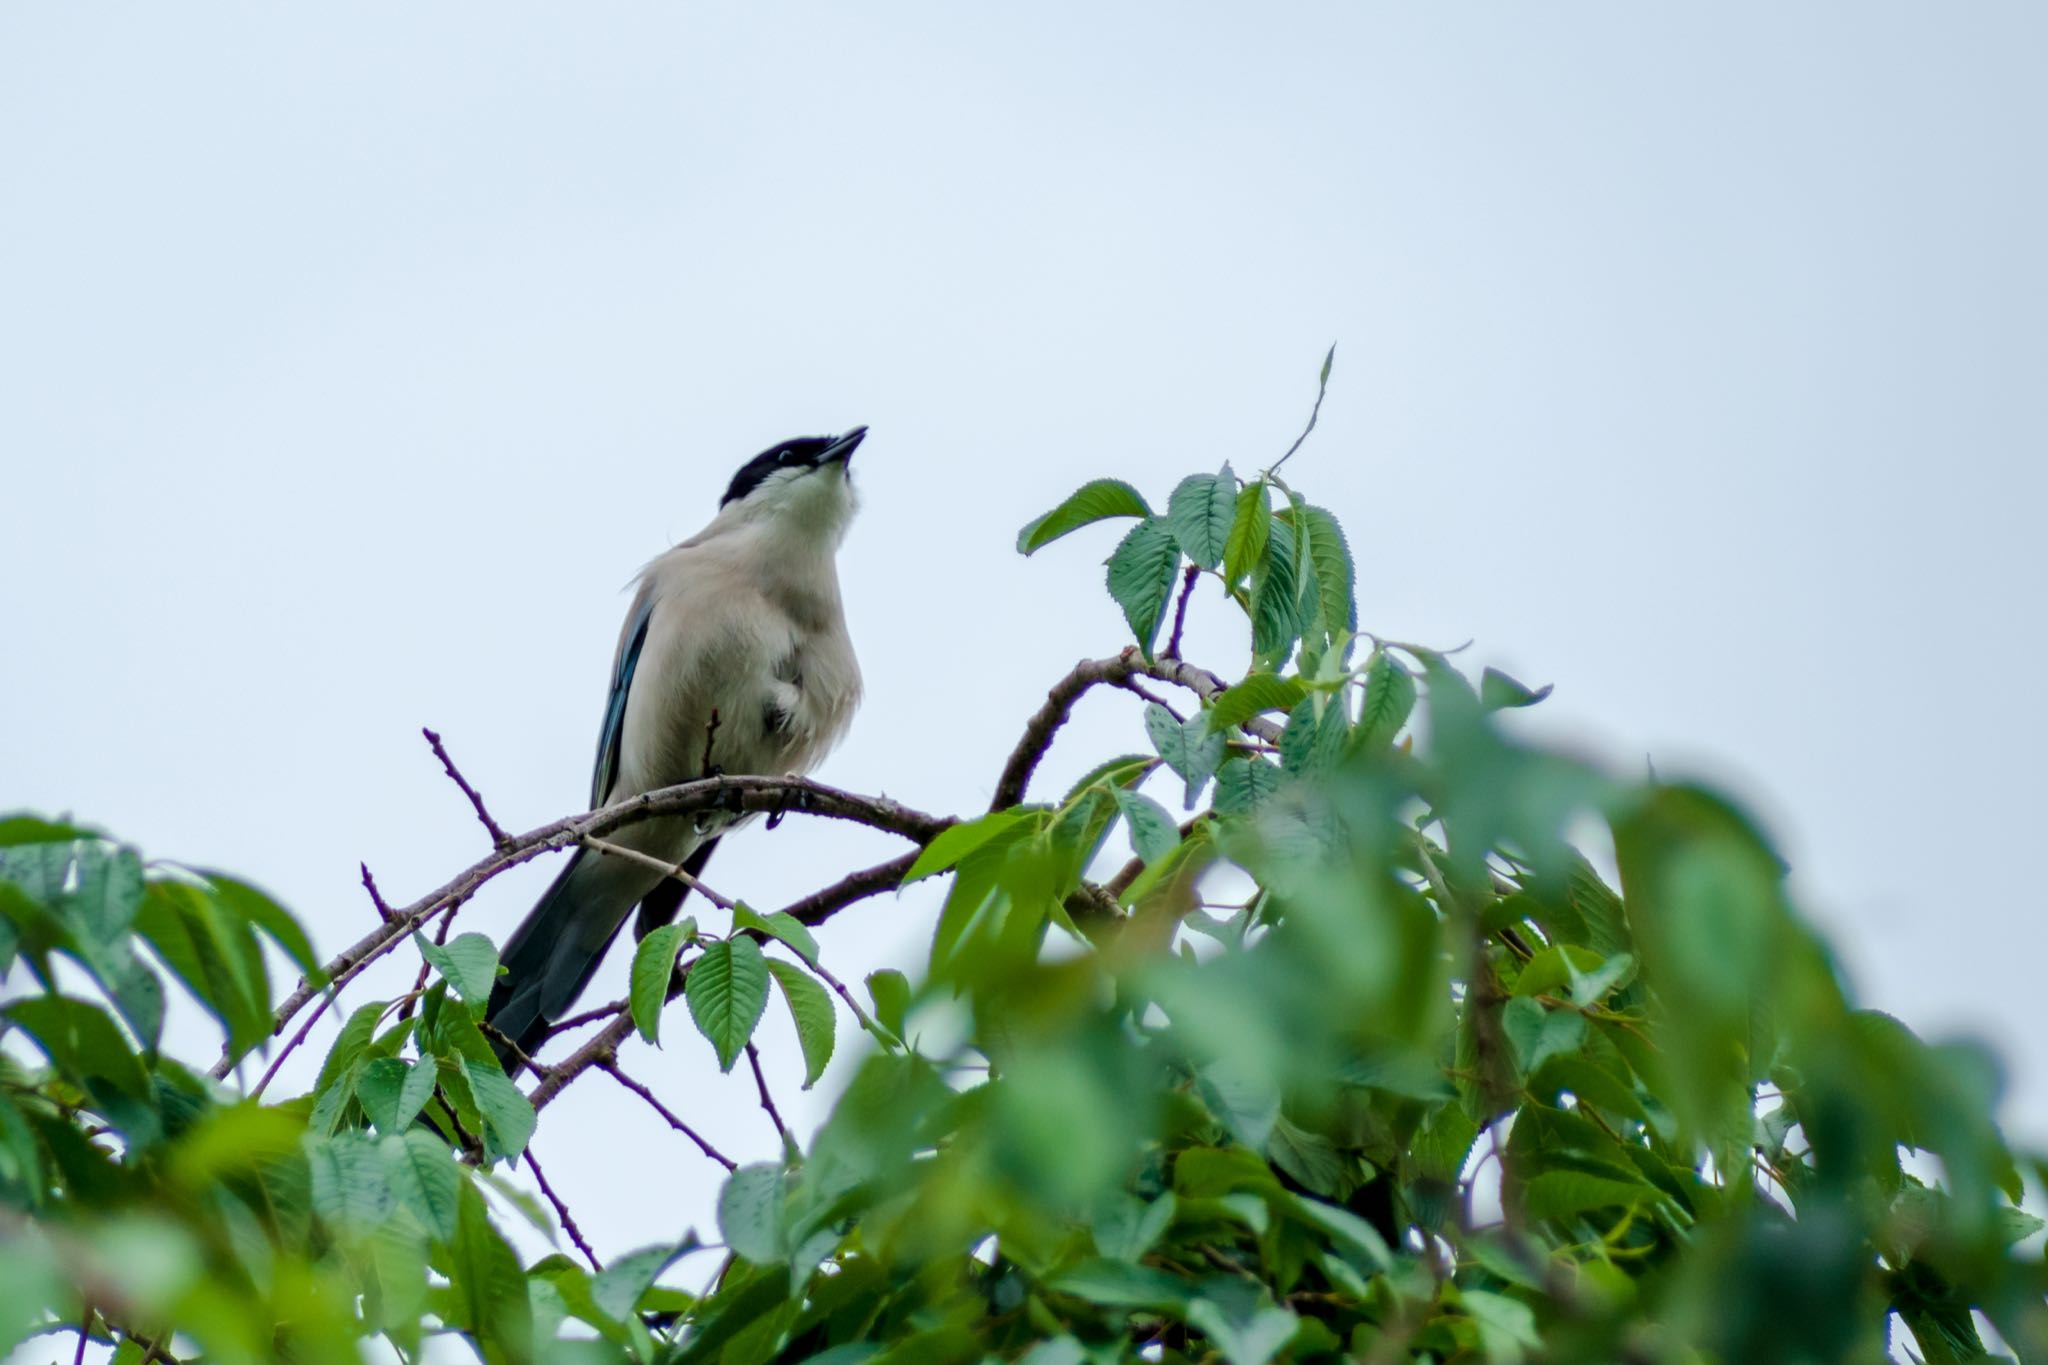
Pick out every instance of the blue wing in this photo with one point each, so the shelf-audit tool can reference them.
(611, 736)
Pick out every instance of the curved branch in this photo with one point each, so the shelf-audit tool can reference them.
(731, 793)
(1090, 673)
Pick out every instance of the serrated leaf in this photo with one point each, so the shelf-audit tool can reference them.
(1389, 700)
(1498, 691)
(782, 926)
(84, 1043)
(750, 1213)
(1243, 784)
(1251, 530)
(349, 1182)
(810, 1008)
(1200, 513)
(421, 1172)
(1252, 1339)
(1153, 831)
(1276, 599)
(392, 1092)
(654, 965)
(1336, 608)
(1314, 743)
(727, 992)
(1094, 501)
(467, 962)
(1257, 693)
(1192, 750)
(1141, 575)
(507, 1114)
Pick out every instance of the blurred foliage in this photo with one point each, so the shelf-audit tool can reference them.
(1369, 1063)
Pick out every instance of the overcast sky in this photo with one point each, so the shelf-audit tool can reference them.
(352, 359)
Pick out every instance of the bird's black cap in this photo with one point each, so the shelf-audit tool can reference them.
(799, 452)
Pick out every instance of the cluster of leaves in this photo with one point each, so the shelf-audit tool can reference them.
(1359, 1058)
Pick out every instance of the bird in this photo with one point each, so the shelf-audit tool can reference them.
(734, 659)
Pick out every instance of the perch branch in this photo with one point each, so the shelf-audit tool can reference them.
(611, 1068)
(562, 1213)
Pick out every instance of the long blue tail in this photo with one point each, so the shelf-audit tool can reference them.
(556, 949)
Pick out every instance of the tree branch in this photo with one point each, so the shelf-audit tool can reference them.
(1089, 673)
(491, 827)
(739, 795)
(768, 1100)
(1180, 610)
(562, 1213)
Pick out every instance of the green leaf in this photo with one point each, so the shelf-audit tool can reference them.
(1560, 1194)
(1251, 1339)
(1507, 1327)
(1192, 750)
(247, 903)
(1091, 502)
(1336, 610)
(782, 926)
(890, 990)
(1126, 1228)
(1389, 699)
(1259, 692)
(210, 951)
(1117, 1284)
(349, 1183)
(654, 965)
(750, 1213)
(1251, 530)
(1200, 513)
(393, 1092)
(1153, 831)
(1122, 771)
(1497, 691)
(507, 1114)
(1276, 599)
(350, 1044)
(727, 991)
(468, 963)
(618, 1289)
(1141, 574)
(18, 830)
(489, 1294)
(1314, 743)
(955, 842)
(1243, 784)
(421, 1172)
(811, 1010)
(83, 1043)
(1538, 1034)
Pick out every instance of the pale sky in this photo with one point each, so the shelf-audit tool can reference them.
(352, 359)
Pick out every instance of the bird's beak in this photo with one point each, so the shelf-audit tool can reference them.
(843, 448)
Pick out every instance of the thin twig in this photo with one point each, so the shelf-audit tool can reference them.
(84, 1334)
(384, 910)
(611, 1068)
(768, 1100)
(1322, 387)
(674, 870)
(499, 838)
(277, 1062)
(591, 1016)
(1180, 610)
(562, 1211)
(1138, 689)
